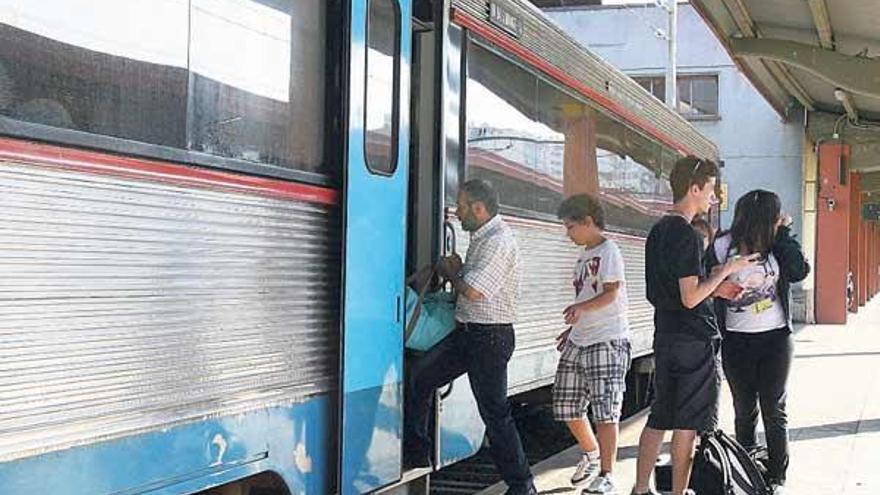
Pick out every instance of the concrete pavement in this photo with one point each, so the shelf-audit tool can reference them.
(834, 416)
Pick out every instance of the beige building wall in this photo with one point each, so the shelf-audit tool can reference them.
(804, 303)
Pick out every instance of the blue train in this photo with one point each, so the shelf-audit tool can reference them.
(210, 207)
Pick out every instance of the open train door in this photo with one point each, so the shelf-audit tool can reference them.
(374, 223)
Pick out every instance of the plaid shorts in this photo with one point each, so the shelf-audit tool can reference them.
(594, 374)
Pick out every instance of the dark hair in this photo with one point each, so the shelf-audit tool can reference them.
(690, 171)
(754, 221)
(581, 206)
(701, 224)
(482, 191)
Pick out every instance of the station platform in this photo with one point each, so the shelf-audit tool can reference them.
(834, 417)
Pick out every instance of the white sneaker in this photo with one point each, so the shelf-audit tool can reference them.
(778, 489)
(602, 484)
(586, 470)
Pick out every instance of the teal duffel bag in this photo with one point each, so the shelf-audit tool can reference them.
(430, 318)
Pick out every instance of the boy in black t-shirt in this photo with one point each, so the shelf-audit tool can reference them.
(686, 334)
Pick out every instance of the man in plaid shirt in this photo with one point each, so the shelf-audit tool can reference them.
(487, 284)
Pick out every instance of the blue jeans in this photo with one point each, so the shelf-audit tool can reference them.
(481, 351)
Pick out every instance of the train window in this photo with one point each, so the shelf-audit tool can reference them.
(633, 192)
(598, 155)
(119, 70)
(567, 161)
(382, 86)
(244, 80)
(502, 133)
(257, 81)
(539, 144)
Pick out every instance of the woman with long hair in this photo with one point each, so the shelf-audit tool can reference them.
(754, 313)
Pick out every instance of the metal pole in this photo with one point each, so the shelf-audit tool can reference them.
(671, 90)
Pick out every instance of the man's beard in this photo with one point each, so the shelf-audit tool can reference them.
(469, 223)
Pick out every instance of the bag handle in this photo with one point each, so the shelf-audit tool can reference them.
(410, 325)
(744, 459)
(450, 248)
(712, 440)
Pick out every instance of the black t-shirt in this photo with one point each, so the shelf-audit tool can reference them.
(675, 250)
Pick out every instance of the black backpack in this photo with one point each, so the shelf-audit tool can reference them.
(723, 467)
(761, 457)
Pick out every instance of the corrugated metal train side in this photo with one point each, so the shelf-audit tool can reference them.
(142, 297)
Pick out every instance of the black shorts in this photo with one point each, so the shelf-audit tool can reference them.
(687, 382)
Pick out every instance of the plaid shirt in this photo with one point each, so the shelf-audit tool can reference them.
(492, 267)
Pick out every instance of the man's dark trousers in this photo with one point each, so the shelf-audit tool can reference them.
(482, 351)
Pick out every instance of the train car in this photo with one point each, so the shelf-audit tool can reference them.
(209, 208)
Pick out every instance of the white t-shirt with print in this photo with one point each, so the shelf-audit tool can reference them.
(597, 266)
(757, 308)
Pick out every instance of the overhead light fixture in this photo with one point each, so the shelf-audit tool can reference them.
(845, 98)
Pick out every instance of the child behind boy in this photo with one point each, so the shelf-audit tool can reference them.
(702, 226)
(595, 349)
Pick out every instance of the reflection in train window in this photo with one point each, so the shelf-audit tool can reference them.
(632, 193)
(241, 79)
(258, 81)
(119, 70)
(539, 144)
(383, 67)
(502, 133)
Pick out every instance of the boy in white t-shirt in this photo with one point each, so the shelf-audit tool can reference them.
(595, 349)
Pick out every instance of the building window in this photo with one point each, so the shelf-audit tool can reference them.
(654, 85)
(697, 94)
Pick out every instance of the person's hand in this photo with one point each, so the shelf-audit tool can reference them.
(573, 313)
(728, 290)
(561, 339)
(450, 266)
(784, 221)
(418, 279)
(737, 263)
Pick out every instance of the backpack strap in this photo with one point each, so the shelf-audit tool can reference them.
(746, 461)
(726, 470)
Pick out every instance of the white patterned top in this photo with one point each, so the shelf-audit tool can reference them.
(492, 267)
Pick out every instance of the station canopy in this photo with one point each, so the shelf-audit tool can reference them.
(822, 56)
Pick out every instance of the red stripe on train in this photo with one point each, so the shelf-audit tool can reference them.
(93, 162)
(467, 21)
